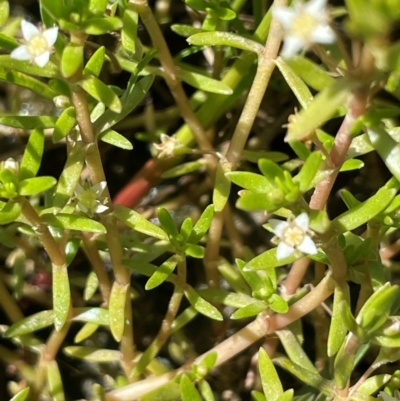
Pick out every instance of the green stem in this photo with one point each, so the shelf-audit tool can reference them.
(238, 342)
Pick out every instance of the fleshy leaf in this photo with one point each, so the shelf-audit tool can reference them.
(138, 222)
(21, 395)
(71, 59)
(101, 92)
(54, 381)
(31, 323)
(95, 63)
(202, 225)
(188, 390)
(117, 309)
(201, 305)
(36, 185)
(65, 122)
(61, 295)
(269, 377)
(93, 354)
(162, 273)
(73, 222)
(114, 138)
(32, 155)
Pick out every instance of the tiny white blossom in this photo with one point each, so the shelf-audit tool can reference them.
(37, 44)
(169, 147)
(293, 236)
(89, 199)
(304, 24)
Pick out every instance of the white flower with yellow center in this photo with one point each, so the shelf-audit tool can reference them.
(293, 236)
(90, 200)
(304, 24)
(37, 45)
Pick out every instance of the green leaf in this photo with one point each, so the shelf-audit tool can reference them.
(98, 7)
(294, 350)
(114, 138)
(278, 304)
(99, 316)
(95, 63)
(71, 59)
(90, 354)
(225, 39)
(29, 122)
(250, 181)
(188, 390)
(202, 225)
(61, 295)
(195, 251)
(50, 70)
(100, 26)
(267, 260)
(9, 212)
(138, 222)
(27, 81)
(70, 176)
(203, 82)
(387, 148)
(201, 305)
(129, 30)
(162, 273)
(101, 92)
(73, 222)
(249, 310)
(376, 309)
(32, 155)
(85, 332)
(184, 168)
(255, 155)
(269, 377)
(65, 122)
(312, 74)
(7, 42)
(373, 384)
(134, 94)
(30, 324)
(184, 30)
(311, 378)
(167, 223)
(54, 381)
(222, 189)
(338, 329)
(117, 309)
(21, 395)
(295, 83)
(365, 211)
(36, 185)
(258, 396)
(92, 283)
(206, 391)
(308, 171)
(321, 109)
(352, 164)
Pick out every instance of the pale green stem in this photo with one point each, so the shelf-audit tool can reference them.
(238, 342)
(170, 76)
(95, 166)
(266, 65)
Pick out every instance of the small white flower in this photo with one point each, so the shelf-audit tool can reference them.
(294, 236)
(89, 199)
(169, 147)
(304, 24)
(37, 45)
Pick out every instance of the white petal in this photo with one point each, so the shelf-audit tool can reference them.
(43, 59)
(323, 34)
(51, 35)
(278, 226)
(100, 208)
(308, 246)
(284, 15)
(284, 250)
(302, 221)
(291, 46)
(21, 53)
(99, 188)
(28, 30)
(315, 7)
